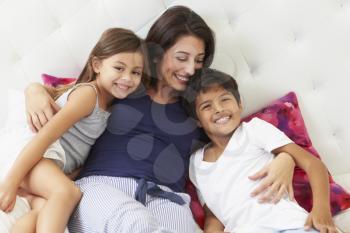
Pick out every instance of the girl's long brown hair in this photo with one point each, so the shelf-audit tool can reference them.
(112, 41)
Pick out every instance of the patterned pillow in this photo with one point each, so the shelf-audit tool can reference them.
(284, 113)
(55, 81)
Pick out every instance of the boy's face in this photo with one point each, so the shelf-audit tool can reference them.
(218, 112)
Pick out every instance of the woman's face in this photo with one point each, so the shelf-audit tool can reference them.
(180, 61)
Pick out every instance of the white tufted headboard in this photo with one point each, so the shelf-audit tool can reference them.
(270, 46)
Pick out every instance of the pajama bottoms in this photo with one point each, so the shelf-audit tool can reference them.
(108, 205)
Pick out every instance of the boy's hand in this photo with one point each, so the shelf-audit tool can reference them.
(321, 219)
(8, 194)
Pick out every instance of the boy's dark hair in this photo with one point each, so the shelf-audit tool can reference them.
(202, 81)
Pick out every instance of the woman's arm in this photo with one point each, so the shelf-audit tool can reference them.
(212, 223)
(320, 216)
(277, 179)
(40, 105)
(72, 112)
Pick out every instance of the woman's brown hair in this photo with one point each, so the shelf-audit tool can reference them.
(174, 23)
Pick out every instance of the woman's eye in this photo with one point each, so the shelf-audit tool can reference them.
(118, 68)
(200, 61)
(181, 58)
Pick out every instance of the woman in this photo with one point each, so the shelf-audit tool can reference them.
(133, 180)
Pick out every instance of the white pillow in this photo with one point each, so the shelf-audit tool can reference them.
(11, 139)
(14, 131)
(16, 108)
(8, 219)
(15, 118)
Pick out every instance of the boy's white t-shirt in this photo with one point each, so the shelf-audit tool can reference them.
(225, 188)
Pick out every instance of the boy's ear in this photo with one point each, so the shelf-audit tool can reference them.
(96, 64)
(199, 124)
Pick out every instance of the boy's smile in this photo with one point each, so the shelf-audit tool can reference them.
(218, 112)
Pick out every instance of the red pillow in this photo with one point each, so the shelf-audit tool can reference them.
(56, 81)
(284, 113)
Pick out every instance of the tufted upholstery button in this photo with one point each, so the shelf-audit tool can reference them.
(56, 24)
(232, 20)
(295, 37)
(316, 84)
(254, 69)
(15, 57)
(334, 133)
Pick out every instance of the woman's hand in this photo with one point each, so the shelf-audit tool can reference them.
(40, 107)
(8, 194)
(320, 218)
(277, 179)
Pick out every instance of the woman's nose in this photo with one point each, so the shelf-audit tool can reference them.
(190, 68)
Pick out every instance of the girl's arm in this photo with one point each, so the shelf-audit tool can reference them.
(80, 104)
(212, 223)
(40, 105)
(320, 216)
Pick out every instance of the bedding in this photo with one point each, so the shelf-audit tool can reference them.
(270, 47)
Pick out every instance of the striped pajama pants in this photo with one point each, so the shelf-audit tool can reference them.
(108, 206)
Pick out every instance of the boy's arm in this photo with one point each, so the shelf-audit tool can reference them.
(212, 223)
(314, 168)
(320, 216)
(40, 105)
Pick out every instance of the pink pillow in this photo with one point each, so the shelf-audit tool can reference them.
(284, 113)
(56, 81)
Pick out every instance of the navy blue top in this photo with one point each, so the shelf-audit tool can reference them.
(145, 139)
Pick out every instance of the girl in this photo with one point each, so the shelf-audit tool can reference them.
(113, 70)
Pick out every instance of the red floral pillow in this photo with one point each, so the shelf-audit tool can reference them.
(55, 81)
(284, 113)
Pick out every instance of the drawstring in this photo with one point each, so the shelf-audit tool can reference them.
(147, 187)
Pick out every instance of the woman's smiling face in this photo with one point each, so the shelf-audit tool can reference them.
(180, 61)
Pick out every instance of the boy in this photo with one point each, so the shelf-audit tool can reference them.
(220, 169)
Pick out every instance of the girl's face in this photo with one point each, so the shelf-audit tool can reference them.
(180, 61)
(120, 74)
(218, 112)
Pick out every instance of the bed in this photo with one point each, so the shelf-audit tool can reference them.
(271, 47)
